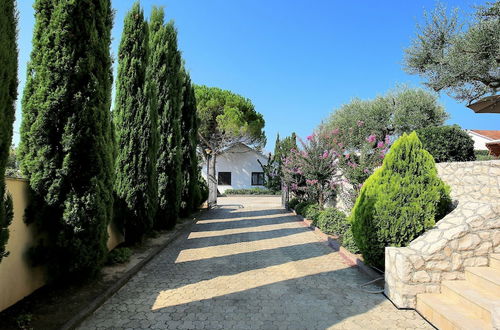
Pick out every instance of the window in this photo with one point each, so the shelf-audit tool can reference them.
(224, 178)
(257, 178)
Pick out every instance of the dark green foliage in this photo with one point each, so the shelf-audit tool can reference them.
(135, 119)
(119, 256)
(66, 148)
(348, 242)
(8, 96)
(484, 155)
(312, 212)
(189, 143)
(273, 169)
(332, 221)
(301, 207)
(251, 191)
(201, 191)
(293, 203)
(447, 143)
(165, 68)
(398, 202)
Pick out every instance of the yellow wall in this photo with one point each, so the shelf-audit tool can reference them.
(17, 278)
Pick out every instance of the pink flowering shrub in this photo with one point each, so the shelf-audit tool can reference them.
(311, 172)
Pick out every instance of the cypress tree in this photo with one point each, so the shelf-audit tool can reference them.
(66, 146)
(135, 119)
(8, 96)
(189, 128)
(165, 68)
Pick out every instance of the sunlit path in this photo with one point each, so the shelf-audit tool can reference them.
(249, 265)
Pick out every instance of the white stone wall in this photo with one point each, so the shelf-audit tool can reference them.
(463, 238)
(241, 161)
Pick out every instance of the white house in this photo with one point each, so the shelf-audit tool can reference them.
(238, 168)
(481, 137)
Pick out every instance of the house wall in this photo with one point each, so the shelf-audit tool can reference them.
(18, 278)
(241, 162)
(479, 141)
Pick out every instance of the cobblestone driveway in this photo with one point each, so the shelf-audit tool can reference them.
(249, 265)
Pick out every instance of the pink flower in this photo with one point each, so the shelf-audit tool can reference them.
(371, 138)
(387, 140)
(294, 187)
(335, 131)
(347, 156)
(325, 154)
(310, 137)
(311, 182)
(380, 144)
(340, 145)
(360, 123)
(366, 171)
(353, 165)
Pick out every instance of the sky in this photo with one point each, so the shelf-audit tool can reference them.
(296, 60)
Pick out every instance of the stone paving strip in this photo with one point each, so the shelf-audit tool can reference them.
(249, 265)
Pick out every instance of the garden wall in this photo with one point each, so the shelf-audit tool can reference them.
(464, 238)
(17, 278)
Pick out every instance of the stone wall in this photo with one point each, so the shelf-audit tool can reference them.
(463, 238)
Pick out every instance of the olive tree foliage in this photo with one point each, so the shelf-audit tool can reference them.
(402, 110)
(226, 119)
(66, 145)
(462, 59)
(8, 96)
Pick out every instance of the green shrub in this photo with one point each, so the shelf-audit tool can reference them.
(311, 212)
(447, 143)
(332, 221)
(398, 202)
(293, 203)
(119, 256)
(348, 242)
(251, 191)
(484, 155)
(300, 208)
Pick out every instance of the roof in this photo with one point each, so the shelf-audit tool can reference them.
(492, 135)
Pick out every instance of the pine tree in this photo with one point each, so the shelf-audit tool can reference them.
(189, 127)
(66, 146)
(165, 68)
(8, 96)
(135, 119)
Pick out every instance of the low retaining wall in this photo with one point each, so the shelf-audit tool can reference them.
(464, 238)
(18, 278)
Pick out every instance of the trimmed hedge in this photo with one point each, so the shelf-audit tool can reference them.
(300, 208)
(400, 201)
(251, 191)
(447, 143)
(293, 203)
(332, 221)
(312, 212)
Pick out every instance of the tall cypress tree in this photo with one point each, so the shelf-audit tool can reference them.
(165, 68)
(66, 145)
(8, 95)
(189, 127)
(135, 119)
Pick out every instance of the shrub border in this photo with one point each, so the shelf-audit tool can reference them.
(350, 258)
(78, 319)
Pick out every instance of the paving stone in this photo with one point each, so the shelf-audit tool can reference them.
(249, 264)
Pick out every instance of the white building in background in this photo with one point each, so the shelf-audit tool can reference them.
(481, 137)
(238, 168)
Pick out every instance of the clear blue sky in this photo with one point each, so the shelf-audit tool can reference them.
(297, 60)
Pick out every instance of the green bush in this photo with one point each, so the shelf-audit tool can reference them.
(203, 190)
(119, 256)
(300, 208)
(311, 212)
(348, 242)
(484, 155)
(332, 221)
(398, 202)
(447, 143)
(251, 191)
(293, 203)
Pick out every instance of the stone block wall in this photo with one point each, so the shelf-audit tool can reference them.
(463, 238)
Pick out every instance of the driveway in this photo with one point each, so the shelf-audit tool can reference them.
(249, 264)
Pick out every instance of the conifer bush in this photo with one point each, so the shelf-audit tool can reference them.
(399, 201)
(135, 118)
(66, 145)
(8, 95)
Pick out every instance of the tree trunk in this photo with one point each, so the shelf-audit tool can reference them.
(212, 181)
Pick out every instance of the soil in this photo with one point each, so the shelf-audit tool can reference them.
(53, 305)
